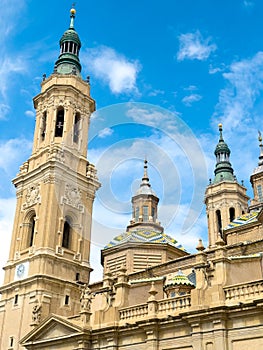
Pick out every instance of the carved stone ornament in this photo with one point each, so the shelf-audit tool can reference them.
(32, 196)
(85, 298)
(36, 313)
(72, 196)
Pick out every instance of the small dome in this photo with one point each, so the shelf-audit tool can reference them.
(70, 35)
(179, 279)
(145, 189)
(222, 147)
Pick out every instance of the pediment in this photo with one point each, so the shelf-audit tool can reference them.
(52, 329)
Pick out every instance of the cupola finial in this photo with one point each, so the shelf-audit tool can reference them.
(261, 149)
(220, 127)
(72, 15)
(145, 173)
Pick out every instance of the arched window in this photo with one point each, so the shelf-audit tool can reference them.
(66, 233)
(219, 221)
(31, 230)
(153, 214)
(137, 214)
(59, 122)
(259, 190)
(76, 128)
(231, 214)
(145, 213)
(43, 126)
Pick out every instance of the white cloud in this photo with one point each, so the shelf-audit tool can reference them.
(190, 99)
(191, 88)
(240, 111)
(194, 46)
(9, 66)
(4, 110)
(10, 62)
(113, 68)
(214, 70)
(153, 117)
(105, 132)
(248, 3)
(7, 209)
(156, 92)
(10, 10)
(13, 153)
(244, 84)
(30, 113)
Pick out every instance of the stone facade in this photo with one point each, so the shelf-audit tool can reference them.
(154, 295)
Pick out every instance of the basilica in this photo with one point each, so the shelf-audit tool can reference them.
(154, 295)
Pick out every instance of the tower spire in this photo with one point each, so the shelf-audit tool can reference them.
(223, 170)
(261, 149)
(145, 179)
(70, 44)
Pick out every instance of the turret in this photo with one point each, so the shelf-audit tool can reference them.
(145, 204)
(225, 197)
(256, 179)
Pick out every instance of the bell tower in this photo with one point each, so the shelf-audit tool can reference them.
(256, 179)
(55, 190)
(225, 198)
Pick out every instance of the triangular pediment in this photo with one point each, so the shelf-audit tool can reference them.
(52, 329)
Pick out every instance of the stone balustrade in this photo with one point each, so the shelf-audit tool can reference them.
(244, 292)
(168, 306)
(134, 312)
(165, 307)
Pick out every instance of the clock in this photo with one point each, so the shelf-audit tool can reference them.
(21, 270)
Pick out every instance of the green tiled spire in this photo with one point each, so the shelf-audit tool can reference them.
(223, 169)
(70, 44)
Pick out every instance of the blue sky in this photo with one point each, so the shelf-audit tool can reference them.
(163, 75)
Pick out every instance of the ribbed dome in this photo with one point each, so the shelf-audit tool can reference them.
(179, 279)
(222, 147)
(70, 35)
(145, 189)
(143, 236)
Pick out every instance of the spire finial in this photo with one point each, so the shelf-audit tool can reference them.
(220, 127)
(72, 15)
(145, 174)
(261, 148)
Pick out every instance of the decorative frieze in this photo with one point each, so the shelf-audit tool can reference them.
(32, 196)
(72, 197)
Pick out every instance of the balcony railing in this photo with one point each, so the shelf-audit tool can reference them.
(165, 307)
(244, 292)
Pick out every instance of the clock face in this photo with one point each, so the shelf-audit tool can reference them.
(20, 270)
